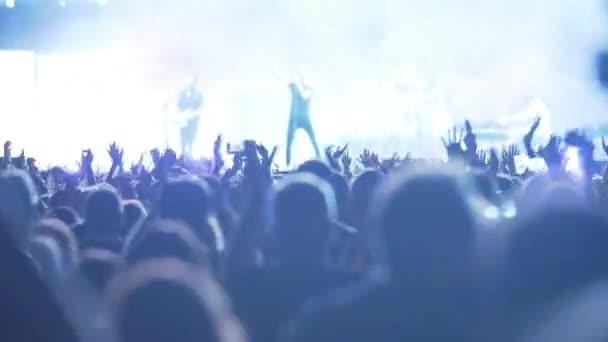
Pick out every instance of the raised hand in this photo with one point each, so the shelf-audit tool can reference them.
(237, 162)
(528, 138)
(31, 164)
(87, 158)
(579, 139)
(508, 158)
(169, 158)
(470, 139)
(267, 158)
(333, 156)
(7, 154)
(116, 154)
(369, 159)
(390, 163)
(155, 154)
(346, 163)
(20, 161)
(329, 155)
(604, 146)
(493, 163)
(551, 153)
(481, 158)
(86, 166)
(453, 144)
(340, 151)
(218, 160)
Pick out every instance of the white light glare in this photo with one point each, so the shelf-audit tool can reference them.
(9, 3)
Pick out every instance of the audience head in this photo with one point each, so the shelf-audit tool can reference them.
(187, 200)
(18, 204)
(29, 311)
(363, 189)
(304, 208)
(67, 215)
(98, 266)
(166, 238)
(553, 252)
(317, 168)
(47, 256)
(103, 211)
(134, 214)
(341, 191)
(425, 221)
(65, 239)
(168, 300)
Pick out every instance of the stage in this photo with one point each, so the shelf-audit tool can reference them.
(392, 78)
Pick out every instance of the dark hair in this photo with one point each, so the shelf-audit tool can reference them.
(341, 192)
(166, 238)
(363, 188)
(555, 251)
(98, 266)
(304, 208)
(47, 256)
(425, 220)
(168, 300)
(67, 215)
(103, 209)
(134, 214)
(65, 239)
(187, 200)
(317, 168)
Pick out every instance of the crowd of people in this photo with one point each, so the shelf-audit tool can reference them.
(341, 249)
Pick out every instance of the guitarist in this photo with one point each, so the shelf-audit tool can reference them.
(189, 105)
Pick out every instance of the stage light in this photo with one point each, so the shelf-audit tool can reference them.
(9, 3)
(62, 3)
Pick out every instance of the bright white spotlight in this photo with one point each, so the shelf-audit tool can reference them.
(102, 2)
(9, 3)
(62, 3)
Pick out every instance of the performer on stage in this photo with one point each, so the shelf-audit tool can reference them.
(189, 105)
(299, 116)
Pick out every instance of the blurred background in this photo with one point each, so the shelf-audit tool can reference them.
(389, 75)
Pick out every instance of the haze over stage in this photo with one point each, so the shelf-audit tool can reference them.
(108, 71)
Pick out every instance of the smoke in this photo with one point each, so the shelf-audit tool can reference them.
(481, 59)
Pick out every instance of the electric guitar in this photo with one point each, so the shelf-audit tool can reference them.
(182, 119)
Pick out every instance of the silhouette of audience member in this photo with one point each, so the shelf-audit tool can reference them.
(341, 191)
(342, 240)
(18, 204)
(304, 209)
(168, 239)
(363, 189)
(47, 256)
(222, 208)
(549, 256)
(103, 220)
(165, 300)
(426, 225)
(65, 239)
(98, 266)
(29, 311)
(187, 200)
(67, 215)
(134, 214)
